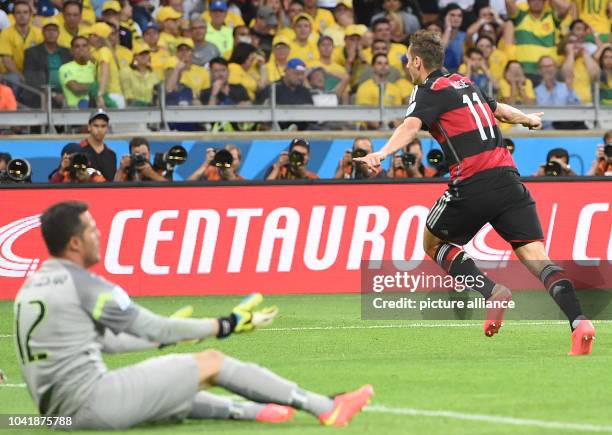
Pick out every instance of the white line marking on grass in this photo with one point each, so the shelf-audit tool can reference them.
(493, 419)
(6, 335)
(12, 385)
(406, 326)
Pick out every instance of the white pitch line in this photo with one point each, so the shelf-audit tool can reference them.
(493, 419)
(12, 385)
(411, 325)
(6, 335)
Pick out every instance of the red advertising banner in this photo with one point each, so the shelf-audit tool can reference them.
(188, 240)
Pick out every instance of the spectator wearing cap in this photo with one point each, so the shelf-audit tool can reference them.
(275, 67)
(302, 46)
(78, 76)
(325, 48)
(203, 51)
(168, 19)
(8, 103)
(233, 17)
(290, 89)
(71, 22)
(101, 157)
(42, 63)
(111, 10)
(344, 17)
(181, 73)
(263, 27)
(321, 18)
(72, 172)
(138, 79)
(16, 39)
(109, 92)
(380, 46)
(218, 33)
(382, 30)
(159, 55)
(368, 93)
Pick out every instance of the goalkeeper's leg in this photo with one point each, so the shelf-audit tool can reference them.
(206, 405)
(261, 385)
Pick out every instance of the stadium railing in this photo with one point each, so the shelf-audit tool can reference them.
(48, 117)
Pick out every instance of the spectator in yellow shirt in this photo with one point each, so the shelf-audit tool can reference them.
(515, 87)
(71, 22)
(139, 79)
(344, 17)
(159, 55)
(181, 71)
(580, 68)
(321, 18)
(368, 93)
(382, 30)
(405, 85)
(123, 56)
(107, 67)
(168, 19)
(275, 68)
(302, 47)
(244, 65)
(15, 39)
(380, 46)
(326, 48)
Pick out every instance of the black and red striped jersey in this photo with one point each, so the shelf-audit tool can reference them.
(461, 119)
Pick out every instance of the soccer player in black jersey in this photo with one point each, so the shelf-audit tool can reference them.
(485, 184)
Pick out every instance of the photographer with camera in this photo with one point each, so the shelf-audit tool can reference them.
(410, 163)
(557, 165)
(75, 167)
(222, 164)
(602, 165)
(292, 165)
(137, 165)
(349, 169)
(5, 158)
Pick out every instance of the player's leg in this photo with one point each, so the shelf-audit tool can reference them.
(206, 405)
(261, 385)
(561, 289)
(520, 226)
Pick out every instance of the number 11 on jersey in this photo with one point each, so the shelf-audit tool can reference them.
(476, 98)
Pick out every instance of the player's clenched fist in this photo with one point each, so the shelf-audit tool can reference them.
(373, 160)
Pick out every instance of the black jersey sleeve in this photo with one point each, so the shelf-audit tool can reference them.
(425, 105)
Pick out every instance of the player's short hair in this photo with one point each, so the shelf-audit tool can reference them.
(60, 222)
(137, 141)
(428, 46)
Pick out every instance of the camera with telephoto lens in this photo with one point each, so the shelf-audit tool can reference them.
(176, 155)
(223, 159)
(608, 150)
(358, 153)
(17, 171)
(553, 169)
(436, 159)
(296, 159)
(408, 159)
(78, 162)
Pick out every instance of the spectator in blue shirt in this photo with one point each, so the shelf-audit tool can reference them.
(453, 38)
(551, 92)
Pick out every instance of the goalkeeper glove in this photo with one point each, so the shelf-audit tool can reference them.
(243, 317)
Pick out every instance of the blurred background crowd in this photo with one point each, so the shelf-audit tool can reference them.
(116, 54)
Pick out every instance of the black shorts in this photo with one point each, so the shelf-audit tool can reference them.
(457, 216)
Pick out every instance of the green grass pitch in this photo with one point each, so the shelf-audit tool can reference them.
(418, 372)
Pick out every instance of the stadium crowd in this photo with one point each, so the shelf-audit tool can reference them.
(113, 54)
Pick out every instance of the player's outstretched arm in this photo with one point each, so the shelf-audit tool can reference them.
(403, 135)
(512, 115)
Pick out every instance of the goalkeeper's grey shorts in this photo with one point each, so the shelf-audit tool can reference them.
(156, 390)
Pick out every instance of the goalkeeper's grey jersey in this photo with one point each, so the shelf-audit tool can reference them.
(61, 313)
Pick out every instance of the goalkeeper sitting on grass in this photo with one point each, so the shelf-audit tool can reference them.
(66, 316)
